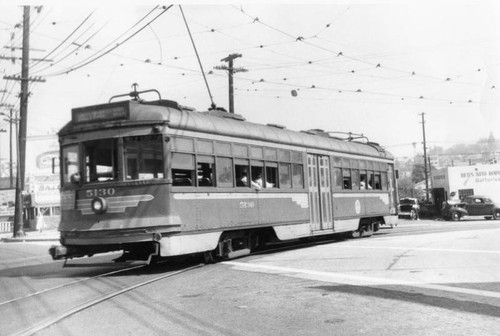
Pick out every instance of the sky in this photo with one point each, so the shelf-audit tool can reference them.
(369, 68)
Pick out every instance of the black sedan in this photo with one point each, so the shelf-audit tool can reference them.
(471, 206)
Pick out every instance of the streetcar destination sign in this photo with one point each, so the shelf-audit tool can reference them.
(81, 116)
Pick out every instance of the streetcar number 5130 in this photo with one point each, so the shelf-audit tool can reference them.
(99, 192)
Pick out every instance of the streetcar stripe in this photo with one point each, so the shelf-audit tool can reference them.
(361, 280)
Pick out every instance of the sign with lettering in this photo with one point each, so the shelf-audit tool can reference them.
(100, 113)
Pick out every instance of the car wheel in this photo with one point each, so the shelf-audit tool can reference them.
(496, 214)
(455, 216)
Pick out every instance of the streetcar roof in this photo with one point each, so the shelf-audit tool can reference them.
(215, 122)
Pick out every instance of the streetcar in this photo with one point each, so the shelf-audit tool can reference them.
(155, 179)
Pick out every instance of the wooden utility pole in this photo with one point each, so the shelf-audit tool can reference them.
(230, 70)
(23, 124)
(23, 121)
(426, 174)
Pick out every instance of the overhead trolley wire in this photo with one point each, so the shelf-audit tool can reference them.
(94, 58)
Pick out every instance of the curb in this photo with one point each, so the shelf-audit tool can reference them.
(27, 238)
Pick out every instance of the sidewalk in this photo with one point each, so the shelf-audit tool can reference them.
(31, 236)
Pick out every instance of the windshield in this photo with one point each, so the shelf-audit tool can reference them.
(70, 163)
(408, 201)
(118, 159)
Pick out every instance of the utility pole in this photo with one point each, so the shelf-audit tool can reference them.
(425, 160)
(23, 123)
(11, 120)
(230, 70)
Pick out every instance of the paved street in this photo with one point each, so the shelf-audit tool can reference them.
(420, 278)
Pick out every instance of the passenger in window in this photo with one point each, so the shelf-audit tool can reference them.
(205, 179)
(257, 183)
(242, 181)
(362, 184)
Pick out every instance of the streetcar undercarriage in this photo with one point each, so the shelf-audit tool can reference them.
(230, 245)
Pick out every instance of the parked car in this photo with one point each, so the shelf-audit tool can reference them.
(409, 207)
(472, 206)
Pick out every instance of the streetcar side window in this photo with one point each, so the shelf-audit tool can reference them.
(224, 172)
(337, 178)
(297, 176)
(355, 179)
(285, 176)
(242, 172)
(183, 169)
(205, 171)
(346, 175)
(257, 172)
(271, 175)
(101, 160)
(363, 177)
(383, 180)
(377, 181)
(70, 164)
(143, 157)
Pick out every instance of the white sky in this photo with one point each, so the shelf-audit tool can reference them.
(453, 49)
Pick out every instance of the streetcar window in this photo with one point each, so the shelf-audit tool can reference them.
(383, 180)
(205, 146)
(371, 183)
(355, 179)
(377, 182)
(240, 150)
(242, 173)
(285, 176)
(181, 144)
(297, 157)
(284, 155)
(224, 172)
(297, 176)
(70, 163)
(101, 160)
(337, 178)
(256, 152)
(143, 157)
(205, 171)
(271, 176)
(346, 178)
(363, 177)
(257, 172)
(182, 169)
(222, 148)
(270, 154)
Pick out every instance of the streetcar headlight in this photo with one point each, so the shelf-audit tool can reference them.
(99, 205)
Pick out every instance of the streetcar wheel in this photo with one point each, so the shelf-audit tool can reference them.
(496, 214)
(455, 216)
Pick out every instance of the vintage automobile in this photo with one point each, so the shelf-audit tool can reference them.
(408, 207)
(471, 206)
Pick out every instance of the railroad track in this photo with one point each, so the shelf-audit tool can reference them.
(75, 303)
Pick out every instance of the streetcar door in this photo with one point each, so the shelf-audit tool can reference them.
(320, 194)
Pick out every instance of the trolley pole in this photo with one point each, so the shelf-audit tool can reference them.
(230, 70)
(425, 160)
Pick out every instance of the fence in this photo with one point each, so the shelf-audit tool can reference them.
(6, 226)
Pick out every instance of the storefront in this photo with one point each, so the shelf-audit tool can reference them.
(481, 180)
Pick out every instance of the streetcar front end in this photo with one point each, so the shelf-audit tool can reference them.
(114, 186)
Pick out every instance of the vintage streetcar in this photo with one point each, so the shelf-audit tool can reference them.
(155, 179)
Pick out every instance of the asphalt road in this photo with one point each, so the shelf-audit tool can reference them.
(420, 278)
